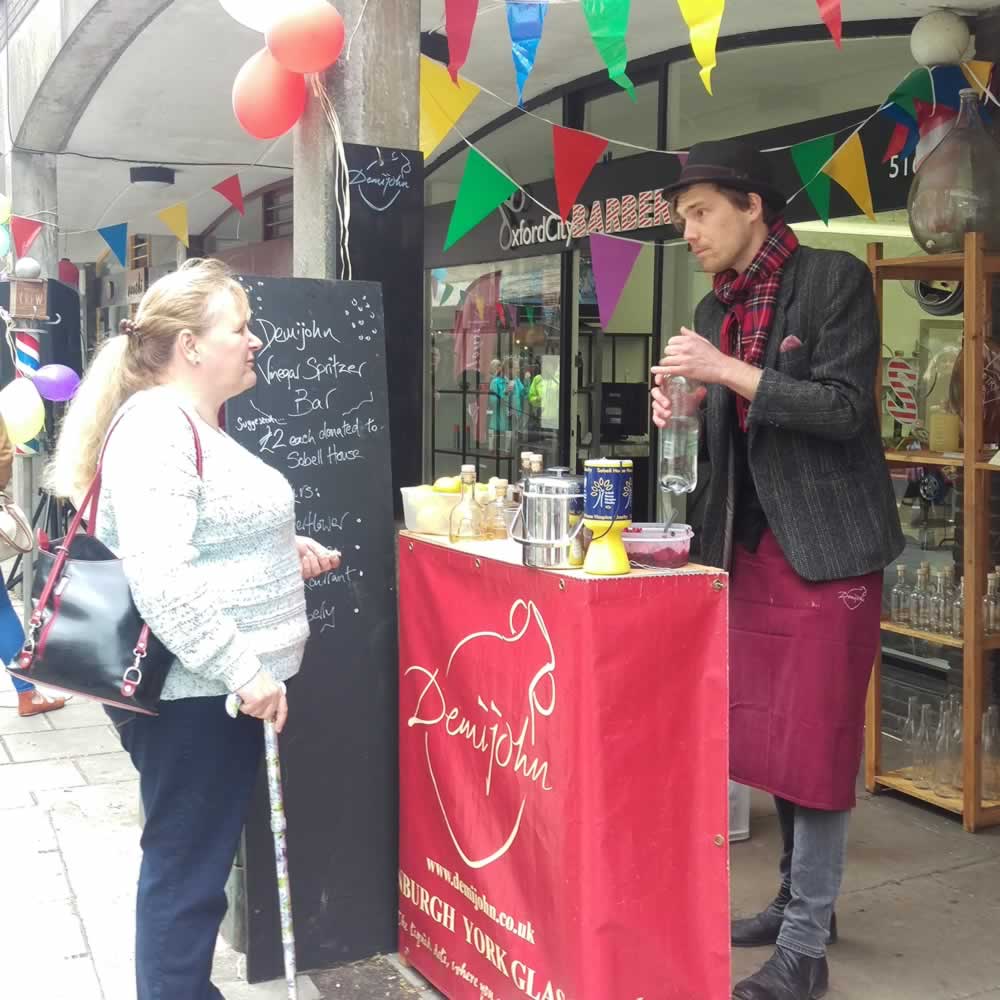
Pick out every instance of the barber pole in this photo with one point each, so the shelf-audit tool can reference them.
(28, 360)
(902, 403)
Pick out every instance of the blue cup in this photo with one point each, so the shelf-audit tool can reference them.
(608, 490)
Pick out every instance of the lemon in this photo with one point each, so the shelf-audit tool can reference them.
(448, 484)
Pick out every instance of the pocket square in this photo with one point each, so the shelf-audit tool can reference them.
(789, 344)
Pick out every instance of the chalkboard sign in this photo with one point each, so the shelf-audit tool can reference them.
(319, 413)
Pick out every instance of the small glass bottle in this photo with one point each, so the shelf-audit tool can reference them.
(958, 610)
(525, 472)
(537, 464)
(957, 743)
(495, 525)
(909, 737)
(939, 606)
(920, 607)
(923, 750)
(990, 759)
(899, 599)
(467, 520)
(943, 757)
(991, 605)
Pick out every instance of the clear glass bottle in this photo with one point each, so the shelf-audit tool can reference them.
(909, 735)
(525, 472)
(495, 524)
(899, 598)
(956, 189)
(939, 605)
(537, 464)
(990, 757)
(957, 743)
(467, 520)
(923, 750)
(944, 763)
(991, 604)
(958, 610)
(920, 608)
(679, 439)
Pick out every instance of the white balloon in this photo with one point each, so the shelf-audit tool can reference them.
(256, 14)
(941, 38)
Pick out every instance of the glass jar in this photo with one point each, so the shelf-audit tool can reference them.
(956, 189)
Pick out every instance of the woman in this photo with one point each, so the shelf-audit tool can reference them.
(499, 408)
(217, 572)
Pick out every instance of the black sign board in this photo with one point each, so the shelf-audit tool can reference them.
(386, 245)
(319, 413)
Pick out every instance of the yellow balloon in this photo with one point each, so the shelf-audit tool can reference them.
(22, 410)
(5, 209)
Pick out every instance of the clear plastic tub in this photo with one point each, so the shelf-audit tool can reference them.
(427, 511)
(650, 546)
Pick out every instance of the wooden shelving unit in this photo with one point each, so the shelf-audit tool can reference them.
(974, 268)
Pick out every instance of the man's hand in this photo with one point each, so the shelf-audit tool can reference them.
(316, 560)
(691, 355)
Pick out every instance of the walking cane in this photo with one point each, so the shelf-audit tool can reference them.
(280, 848)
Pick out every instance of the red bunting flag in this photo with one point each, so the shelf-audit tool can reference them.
(829, 10)
(900, 137)
(24, 232)
(575, 153)
(459, 20)
(232, 191)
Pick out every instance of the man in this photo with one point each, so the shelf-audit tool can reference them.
(799, 507)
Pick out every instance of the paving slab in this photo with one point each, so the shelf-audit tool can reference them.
(30, 830)
(11, 723)
(107, 767)
(61, 743)
(37, 777)
(66, 979)
(376, 978)
(119, 800)
(79, 714)
(40, 878)
(45, 933)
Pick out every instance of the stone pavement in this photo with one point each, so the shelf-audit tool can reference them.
(69, 827)
(918, 918)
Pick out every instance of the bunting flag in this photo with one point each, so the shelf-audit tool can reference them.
(608, 24)
(829, 10)
(459, 20)
(682, 159)
(175, 219)
(483, 189)
(704, 21)
(849, 170)
(116, 238)
(933, 123)
(901, 143)
(442, 103)
(977, 73)
(232, 191)
(575, 154)
(24, 232)
(810, 158)
(525, 21)
(612, 260)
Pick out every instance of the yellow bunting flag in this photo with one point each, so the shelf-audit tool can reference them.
(704, 19)
(849, 170)
(175, 219)
(442, 103)
(977, 72)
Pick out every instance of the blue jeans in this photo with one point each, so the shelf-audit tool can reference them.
(197, 769)
(11, 636)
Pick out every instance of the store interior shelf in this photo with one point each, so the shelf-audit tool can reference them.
(986, 467)
(916, 633)
(898, 781)
(924, 458)
(945, 266)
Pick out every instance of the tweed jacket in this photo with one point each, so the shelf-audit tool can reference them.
(814, 443)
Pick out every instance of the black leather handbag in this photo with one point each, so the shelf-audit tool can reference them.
(86, 636)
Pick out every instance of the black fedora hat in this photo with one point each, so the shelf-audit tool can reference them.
(730, 163)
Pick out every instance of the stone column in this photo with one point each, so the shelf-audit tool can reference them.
(376, 93)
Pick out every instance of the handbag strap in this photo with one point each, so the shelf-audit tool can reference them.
(89, 506)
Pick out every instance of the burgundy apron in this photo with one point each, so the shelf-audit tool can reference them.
(801, 656)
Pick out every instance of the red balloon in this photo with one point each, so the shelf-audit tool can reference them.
(307, 39)
(267, 99)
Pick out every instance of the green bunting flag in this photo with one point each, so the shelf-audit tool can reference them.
(917, 85)
(483, 188)
(810, 158)
(608, 23)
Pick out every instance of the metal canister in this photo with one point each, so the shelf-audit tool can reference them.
(550, 522)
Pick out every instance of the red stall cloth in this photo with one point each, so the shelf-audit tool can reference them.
(563, 771)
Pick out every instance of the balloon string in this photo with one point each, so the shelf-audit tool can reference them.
(8, 324)
(361, 18)
(342, 179)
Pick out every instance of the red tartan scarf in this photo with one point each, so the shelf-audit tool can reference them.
(751, 298)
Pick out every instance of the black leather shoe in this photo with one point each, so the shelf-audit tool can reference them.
(762, 929)
(786, 975)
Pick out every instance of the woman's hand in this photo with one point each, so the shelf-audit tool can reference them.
(264, 698)
(316, 560)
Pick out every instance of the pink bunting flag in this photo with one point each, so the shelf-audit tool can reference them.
(830, 11)
(459, 20)
(24, 233)
(232, 191)
(612, 260)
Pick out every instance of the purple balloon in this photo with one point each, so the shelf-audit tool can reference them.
(56, 383)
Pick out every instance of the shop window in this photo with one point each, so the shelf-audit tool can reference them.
(278, 214)
(495, 372)
(810, 80)
(522, 149)
(617, 116)
(140, 254)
